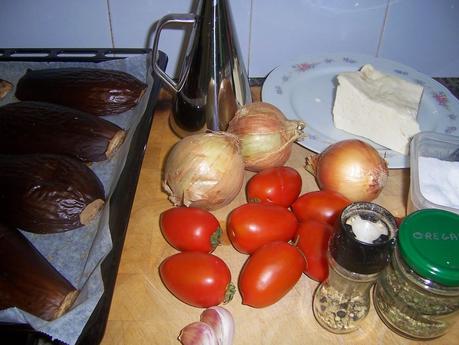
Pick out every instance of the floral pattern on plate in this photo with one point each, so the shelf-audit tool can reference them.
(439, 109)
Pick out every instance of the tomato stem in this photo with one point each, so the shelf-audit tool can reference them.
(215, 238)
(229, 293)
(254, 199)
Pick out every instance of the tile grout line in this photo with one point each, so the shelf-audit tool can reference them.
(249, 53)
(381, 34)
(110, 24)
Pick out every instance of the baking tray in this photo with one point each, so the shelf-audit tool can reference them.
(120, 201)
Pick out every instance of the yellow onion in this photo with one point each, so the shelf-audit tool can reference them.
(266, 135)
(352, 168)
(204, 170)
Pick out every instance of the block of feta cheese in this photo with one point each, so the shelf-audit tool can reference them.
(377, 106)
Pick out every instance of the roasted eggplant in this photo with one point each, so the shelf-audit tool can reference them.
(28, 281)
(95, 91)
(38, 127)
(47, 193)
(5, 88)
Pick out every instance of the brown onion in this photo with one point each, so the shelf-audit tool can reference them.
(204, 170)
(266, 135)
(352, 168)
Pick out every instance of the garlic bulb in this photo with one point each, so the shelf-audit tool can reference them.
(216, 327)
(198, 333)
(222, 323)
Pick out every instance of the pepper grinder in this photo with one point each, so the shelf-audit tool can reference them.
(358, 251)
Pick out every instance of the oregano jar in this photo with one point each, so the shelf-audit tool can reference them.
(417, 295)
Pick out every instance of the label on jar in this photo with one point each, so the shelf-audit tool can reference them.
(429, 243)
(436, 236)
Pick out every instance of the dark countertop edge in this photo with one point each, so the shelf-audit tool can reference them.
(452, 84)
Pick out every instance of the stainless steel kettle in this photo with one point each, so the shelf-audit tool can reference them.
(213, 81)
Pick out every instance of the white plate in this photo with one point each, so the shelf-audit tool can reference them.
(305, 88)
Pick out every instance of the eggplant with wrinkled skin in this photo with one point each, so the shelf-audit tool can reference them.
(47, 193)
(95, 91)
(28, 281)
(5, 88)
(38, 127)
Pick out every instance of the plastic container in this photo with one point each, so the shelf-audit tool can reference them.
(429, 144)
(417, 295)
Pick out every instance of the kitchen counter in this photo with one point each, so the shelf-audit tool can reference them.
(143, 311)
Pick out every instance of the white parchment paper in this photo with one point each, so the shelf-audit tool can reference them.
(77, 254)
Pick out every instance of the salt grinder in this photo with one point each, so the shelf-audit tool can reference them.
(358, 251)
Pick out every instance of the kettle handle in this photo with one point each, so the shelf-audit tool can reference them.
(185, 18)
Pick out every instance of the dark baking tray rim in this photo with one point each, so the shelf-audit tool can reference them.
(120, 202)
(71, 54)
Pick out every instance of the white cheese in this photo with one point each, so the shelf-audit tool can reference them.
(377, 106)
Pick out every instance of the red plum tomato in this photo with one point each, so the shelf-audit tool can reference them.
(198, 279)
(312, 240)
(254, 224)
(270, 273)
(190, 229)
(324, 206)
(278, 185)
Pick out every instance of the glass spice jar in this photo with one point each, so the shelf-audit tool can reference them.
(417, 295)
(358, 251)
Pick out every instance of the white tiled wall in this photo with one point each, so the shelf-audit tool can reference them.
(141, 17)
(134, 25)
(425, 34)
(285, 30)
(421, 33)
(54, 24)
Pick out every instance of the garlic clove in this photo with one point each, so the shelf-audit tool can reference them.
(198, 333)
(222, 323)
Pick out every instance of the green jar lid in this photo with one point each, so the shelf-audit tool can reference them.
(429, 243)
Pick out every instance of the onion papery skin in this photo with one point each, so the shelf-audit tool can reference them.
(204, 170)
(266, 135)
(352, 168)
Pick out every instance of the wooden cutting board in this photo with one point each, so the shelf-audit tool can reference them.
(143, 311)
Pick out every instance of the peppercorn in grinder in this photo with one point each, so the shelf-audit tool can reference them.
(358, 251)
